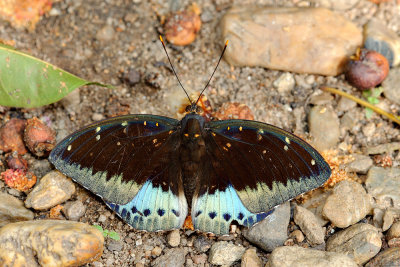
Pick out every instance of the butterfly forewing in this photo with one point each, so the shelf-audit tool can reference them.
(278, 164)
(132, 163)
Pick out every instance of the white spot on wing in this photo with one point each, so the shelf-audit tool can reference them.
(312, 162)
(98, 129)
(124, 123)
(286, 148)
(69, 148)
(98, 137)
(287, 140)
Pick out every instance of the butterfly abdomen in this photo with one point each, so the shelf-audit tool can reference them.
(192, 152)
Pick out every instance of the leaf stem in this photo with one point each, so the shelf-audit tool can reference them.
(363, 103)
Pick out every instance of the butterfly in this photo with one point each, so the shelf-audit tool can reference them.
(154, 170)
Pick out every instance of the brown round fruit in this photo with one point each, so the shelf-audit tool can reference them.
(181, 27)
(39, 138)
(367, 69)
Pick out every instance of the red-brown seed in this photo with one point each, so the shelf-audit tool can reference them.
(39, 138)
(367, 69)
(15, 161)
(19, 179)
(181, 27)
(234, 111)
(11, 136)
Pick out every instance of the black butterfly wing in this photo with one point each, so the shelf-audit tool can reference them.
(132, 162)
(251, 167)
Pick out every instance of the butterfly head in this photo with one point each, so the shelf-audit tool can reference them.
(192, 108)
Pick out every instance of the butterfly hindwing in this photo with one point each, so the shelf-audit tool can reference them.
(132, 163)
(252, 167)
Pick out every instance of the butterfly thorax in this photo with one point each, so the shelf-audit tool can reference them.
(192, 152)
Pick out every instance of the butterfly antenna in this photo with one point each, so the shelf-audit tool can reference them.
(176, 75)
(208, 83)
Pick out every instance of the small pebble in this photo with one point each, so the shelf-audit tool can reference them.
(156, 251)
(174, 238)
(387, 258)
(361, 164)
(105, 34)
(202, 244)
(298, 236)
(324, 127)
(114, 245)
(298, 256)
(347, 204)
(361, 242)
(285, 83)
(309, 225)
(250, 259)
(224, 253)
(53, 189)
(13, 210)
(272, 231)
(74, 210)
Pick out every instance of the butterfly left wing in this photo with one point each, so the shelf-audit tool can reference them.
(250, 168)
(133, 164)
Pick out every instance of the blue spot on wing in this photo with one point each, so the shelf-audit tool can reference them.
(153, 209)
(215, 212)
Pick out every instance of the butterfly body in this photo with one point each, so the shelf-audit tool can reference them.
(153, 170)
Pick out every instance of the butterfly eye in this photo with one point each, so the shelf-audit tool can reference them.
(188, 108)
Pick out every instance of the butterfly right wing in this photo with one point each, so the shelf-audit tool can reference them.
(132, 162)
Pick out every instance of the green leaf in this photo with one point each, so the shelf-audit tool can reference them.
(114, 235)
(368, 113)
(98, 227)
(26, 81)
(367, 93)
(373, 100)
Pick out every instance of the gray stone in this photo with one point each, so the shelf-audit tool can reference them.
(391, 85)
(346, 104)
(347, 204)
(114, 245)
(393, 235)
(361, 242)
(49, 243)
(301, 257)
(224, 253)
(272, 231)
(105, 34)
(387, 148)
(324, 127)
(13, 210)
(74, 210)
(279, 38)
(173, 257)
(202, 244)
(250, 259)
(297, 235)
(361, 164)
(309, 224)
(387, 258)
(388, 219)
(380, 38)
(316, 203)
(174, 238)
(323, 98)
(383, 185)
(53, 189)
(337, 4)
(285, 83)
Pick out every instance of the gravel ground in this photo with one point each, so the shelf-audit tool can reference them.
(104, 40)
